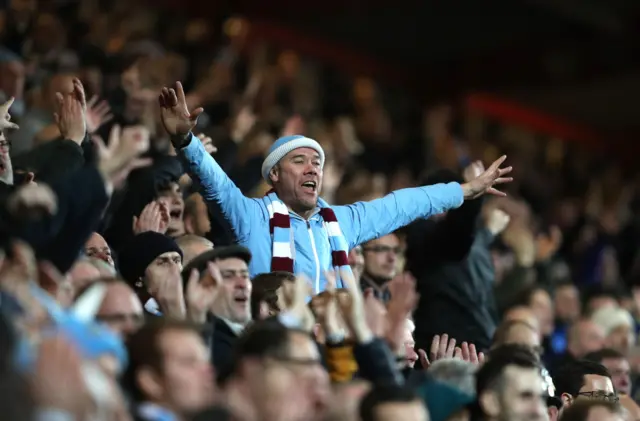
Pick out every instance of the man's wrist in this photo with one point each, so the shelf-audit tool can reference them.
(467, 192)
(197, 316)
(180, 141)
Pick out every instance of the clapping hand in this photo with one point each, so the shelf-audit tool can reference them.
(5, 117)
(404, 300)
(122, 156)
(169, 293)
(71, 113)
(202, 292)
(154, 217)
(31, 201)
(207, 142)
(442, 347)
(485, 182)
(352, 308)
(97, 114)
(473, 171)
(295, 298)
(496, 220)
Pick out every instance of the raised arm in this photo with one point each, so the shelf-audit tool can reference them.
(217, 186)
(364, 221)
(179, 121)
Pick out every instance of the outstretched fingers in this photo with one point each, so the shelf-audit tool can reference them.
(496, 192)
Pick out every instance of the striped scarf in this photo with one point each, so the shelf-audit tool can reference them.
(283, 245)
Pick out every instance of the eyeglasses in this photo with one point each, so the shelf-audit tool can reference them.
(134, 318)
(600, 395)
(383, 249)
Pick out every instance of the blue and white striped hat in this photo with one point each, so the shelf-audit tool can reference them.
(283, 146)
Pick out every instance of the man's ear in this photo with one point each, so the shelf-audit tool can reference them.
(274, 174)
(188, 224)
(567, 399)
(489, 404)
(149, 383)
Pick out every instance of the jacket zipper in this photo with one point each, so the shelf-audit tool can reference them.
(315, 256)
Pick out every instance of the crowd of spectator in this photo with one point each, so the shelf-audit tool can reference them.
(198, 226)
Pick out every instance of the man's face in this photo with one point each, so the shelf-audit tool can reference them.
(97, 247)
(621, 339)
(409, 345)
(414, 411)
(121, 310)
(298, 376)
(298, 179)
(567, 303)
(187, 376)
(381, 257)
(6, 169)
(165, 267)
(620, 374)
(542, 307)
(590, 339)
(593, 386)
(233, 299)
(172, 198)
(356, 261)
(198, 222)
(521, 398)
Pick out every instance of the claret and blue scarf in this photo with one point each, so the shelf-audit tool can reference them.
(279, 219)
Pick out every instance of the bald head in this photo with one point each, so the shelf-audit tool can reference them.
(121, 309)
(193, 246)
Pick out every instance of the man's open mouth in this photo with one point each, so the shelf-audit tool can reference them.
(241, 298)
(310, 185)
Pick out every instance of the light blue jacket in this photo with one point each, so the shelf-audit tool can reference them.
(359, 222)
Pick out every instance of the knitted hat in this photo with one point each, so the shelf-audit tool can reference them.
(610, 318)
(140, 251)
(283, 146)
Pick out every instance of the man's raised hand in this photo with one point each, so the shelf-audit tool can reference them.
(178, 121)
(122, 156)
(485, 182)
(71, 113)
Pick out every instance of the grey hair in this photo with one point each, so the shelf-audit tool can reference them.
(457, 373)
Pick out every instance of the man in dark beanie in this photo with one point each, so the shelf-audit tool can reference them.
(151, 263)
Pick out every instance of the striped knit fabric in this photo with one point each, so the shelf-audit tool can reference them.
(283, 245)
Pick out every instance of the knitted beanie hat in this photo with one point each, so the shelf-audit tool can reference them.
(140, 251)
(283, 146)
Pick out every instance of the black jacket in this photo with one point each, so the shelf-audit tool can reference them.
(60, 238)
(450, 259)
